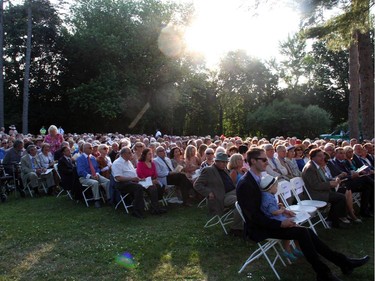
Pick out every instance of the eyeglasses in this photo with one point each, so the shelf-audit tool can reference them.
(298, 149)
(209, 153)
(263, 159)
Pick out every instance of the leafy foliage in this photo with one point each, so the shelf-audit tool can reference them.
(244, 84)
(283, 118)
(47, 63)
(116, 56)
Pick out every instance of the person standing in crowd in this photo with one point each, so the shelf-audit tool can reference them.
(54, 139)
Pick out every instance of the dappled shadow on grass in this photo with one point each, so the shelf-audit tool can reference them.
(72, 242)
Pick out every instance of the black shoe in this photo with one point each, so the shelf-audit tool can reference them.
(340, 224)
(366, 215)
(97, 204)
(154, 211)
(36, 192)
(162, 210)
(236, 232)
(3, 197)
(137, 214)
(353, 263)
(329, 277)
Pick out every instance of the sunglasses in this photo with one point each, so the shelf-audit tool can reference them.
(263, 159)
(209, 153)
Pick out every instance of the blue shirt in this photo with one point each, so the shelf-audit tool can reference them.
(269, 205)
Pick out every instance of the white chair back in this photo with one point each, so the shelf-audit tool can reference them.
(284, 190)
(297, 185)
(55, 166)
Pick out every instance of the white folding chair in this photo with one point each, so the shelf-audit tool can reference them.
(262, 250)
(55, 166)
(223, 220)
(284, 190)
(171, 196)
(123, 202)
(298, 189)
(203, 203)
(27, 187)
(357, 198)
(87, 192)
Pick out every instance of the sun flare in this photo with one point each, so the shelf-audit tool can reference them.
(222, 26)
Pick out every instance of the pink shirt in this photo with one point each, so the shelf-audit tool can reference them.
(55, 143)
(143, 171)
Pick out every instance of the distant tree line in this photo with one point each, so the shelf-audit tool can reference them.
(98, 68)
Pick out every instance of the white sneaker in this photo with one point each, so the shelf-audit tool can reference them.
(174, 200)
(344, 220)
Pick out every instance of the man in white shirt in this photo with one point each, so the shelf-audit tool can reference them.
(127, 181)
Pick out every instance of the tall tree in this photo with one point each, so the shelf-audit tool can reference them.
(1, 64)
(47, 64)
(26, 79)
(354, 22)
(366, 81)
(353, 109)
(135, 66)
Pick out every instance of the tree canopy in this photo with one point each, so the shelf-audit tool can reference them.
(123, 66)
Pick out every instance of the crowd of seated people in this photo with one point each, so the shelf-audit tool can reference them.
(172, 160)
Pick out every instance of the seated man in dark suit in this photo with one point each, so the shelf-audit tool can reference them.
(369, 147)
(11, 163)
(59, 153)
(359, 159)
(215, 184)
(68, 174)
(354, 182)
(321, 187)
(260, 227)
(114, 152)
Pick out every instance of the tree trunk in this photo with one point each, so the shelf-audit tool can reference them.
(354, 90)
(1, 65)
(366, 83)
(25, 112)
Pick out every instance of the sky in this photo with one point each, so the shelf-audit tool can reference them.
(220, 26)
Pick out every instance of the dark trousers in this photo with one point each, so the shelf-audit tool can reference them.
(366, 186)
(338, 206)
(136, 190)
(183, 182)
(311, 247)
(155, 192)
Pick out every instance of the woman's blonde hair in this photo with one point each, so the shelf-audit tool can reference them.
(189, 151)
(233, 161)
(102, 147)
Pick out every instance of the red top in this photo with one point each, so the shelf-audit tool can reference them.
(143, 171)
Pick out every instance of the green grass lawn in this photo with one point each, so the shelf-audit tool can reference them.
(57, 239)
